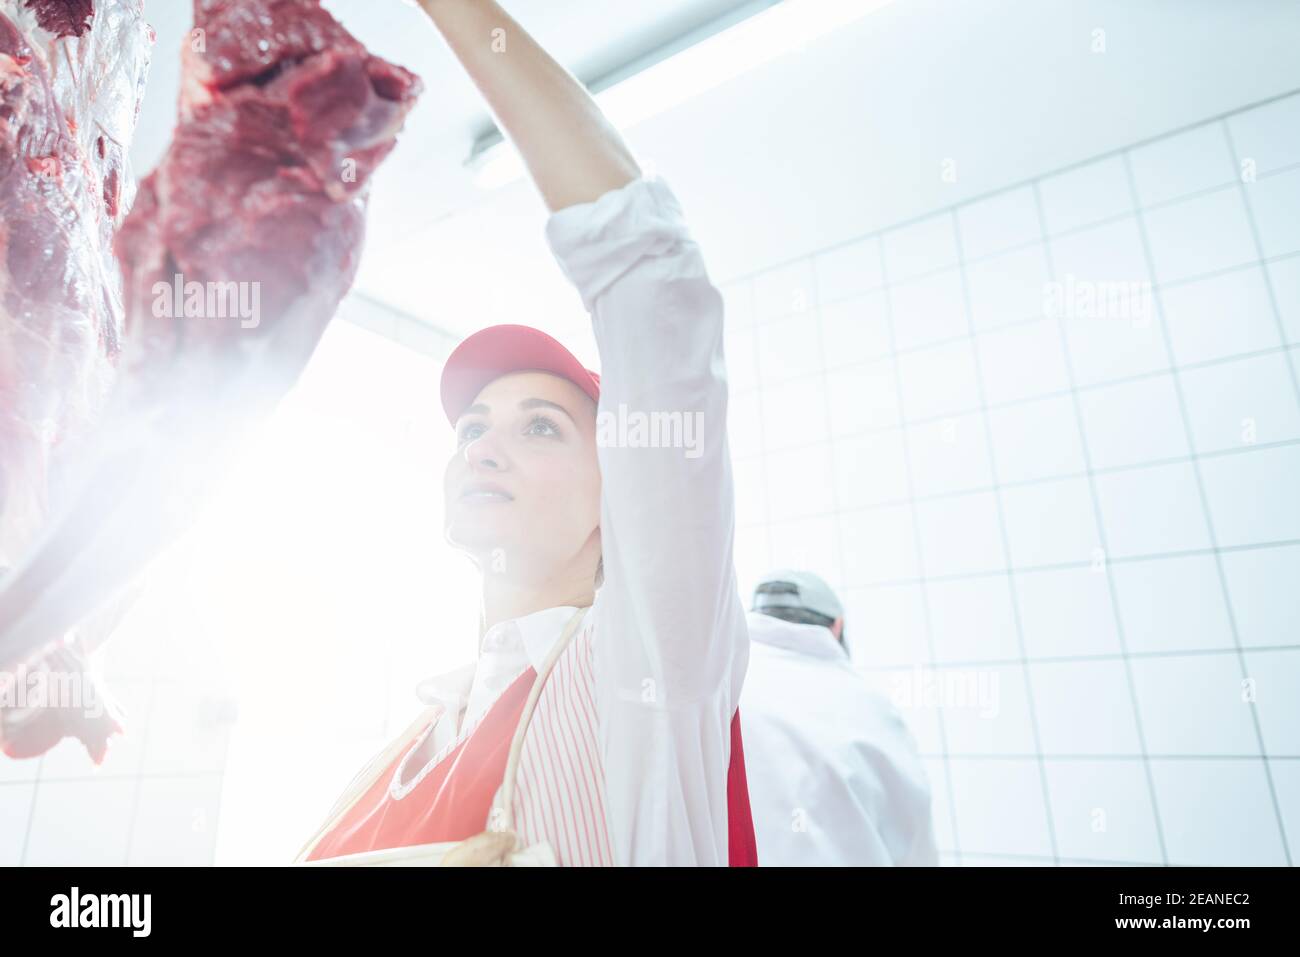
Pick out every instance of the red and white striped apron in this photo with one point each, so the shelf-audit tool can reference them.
(561, 792)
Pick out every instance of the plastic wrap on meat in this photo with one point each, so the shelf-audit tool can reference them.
(259, 201)
(72, 75)
(235, 256)
(71, 79)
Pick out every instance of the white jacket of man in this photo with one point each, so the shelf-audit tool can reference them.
(834, 774)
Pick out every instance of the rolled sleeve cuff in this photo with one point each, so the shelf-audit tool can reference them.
(596, 243)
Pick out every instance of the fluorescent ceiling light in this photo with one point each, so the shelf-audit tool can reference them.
(786, 27)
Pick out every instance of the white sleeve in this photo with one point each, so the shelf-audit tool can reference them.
(670, 646)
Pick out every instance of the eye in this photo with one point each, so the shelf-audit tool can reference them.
(542, 425)
(469, 431)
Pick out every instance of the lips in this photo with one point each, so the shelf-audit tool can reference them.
(482, 492)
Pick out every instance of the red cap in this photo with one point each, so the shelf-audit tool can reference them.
(499, 350)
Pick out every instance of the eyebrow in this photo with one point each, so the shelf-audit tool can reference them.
(481, 409)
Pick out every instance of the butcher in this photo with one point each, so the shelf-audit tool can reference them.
(610, 615)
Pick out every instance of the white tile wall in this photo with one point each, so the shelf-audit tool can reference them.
(959, 535)
(1036, 440)
(893, 630)
(855, 330)
(1102, 811)
(1090, 712)
(1274, 677)
(950, 487)
(1000, 806)
(1133, 422)
(1253, 496)
(863, 397)
(871, 469)
(1273, 200)
(849, 270)
(1193, 705)
(15, 809)
(1232, 821)
(1185, 163)
(1268, 135)
(920, 248)
(980, 435)
(1231, 405)
(928, 310)
(1007, 377)
(987, 710)
(1050, 523)
(879, 545)
(1001, 222)
(950, 455)
(973, 619)
(1181, 247)
(938, 381)
(1284, 277)
(1084, 195)
(1172, 604)
(1266, 610)
(1007, 288)
(1152, 510)
(1225, 315)
(1067, 612)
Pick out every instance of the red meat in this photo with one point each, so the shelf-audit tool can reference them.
(284, 117)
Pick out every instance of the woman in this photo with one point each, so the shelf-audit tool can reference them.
(615, 560)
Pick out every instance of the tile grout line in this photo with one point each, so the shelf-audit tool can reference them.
(1005, 537)
(1204, 499)
(917, 544)
(1286, 350)
(1027, 245)
(1265, 272)
(1062, 477)
(830, 428)
(1029, 181)
(975, 663)
(1107, 565)
(1103, 538)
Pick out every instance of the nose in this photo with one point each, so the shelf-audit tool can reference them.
(485, 454)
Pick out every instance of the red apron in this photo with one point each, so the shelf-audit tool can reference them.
(452, 801)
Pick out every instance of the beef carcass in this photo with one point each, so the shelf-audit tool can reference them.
(71, 78)
(259, 200)
(70, 85)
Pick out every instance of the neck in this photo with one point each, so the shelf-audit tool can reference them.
(505, 598)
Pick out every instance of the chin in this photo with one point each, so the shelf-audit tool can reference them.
(475, 536)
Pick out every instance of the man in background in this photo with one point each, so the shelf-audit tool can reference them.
(834, 774)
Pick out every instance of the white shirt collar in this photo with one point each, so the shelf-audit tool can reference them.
(449, 689)
(814, 640)
(537, 632)
(541, 629)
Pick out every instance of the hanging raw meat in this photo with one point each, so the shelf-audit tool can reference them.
(237, 252)
(71, 78)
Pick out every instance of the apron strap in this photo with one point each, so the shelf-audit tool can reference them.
(517, 743)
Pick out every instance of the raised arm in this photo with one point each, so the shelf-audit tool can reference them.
(572, 152)
(671, 645)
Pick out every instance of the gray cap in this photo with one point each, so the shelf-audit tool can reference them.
(809, 592)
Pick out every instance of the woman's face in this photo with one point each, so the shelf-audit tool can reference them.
(523, 489)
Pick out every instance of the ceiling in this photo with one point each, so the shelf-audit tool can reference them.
(590, 37)
(816, 147)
